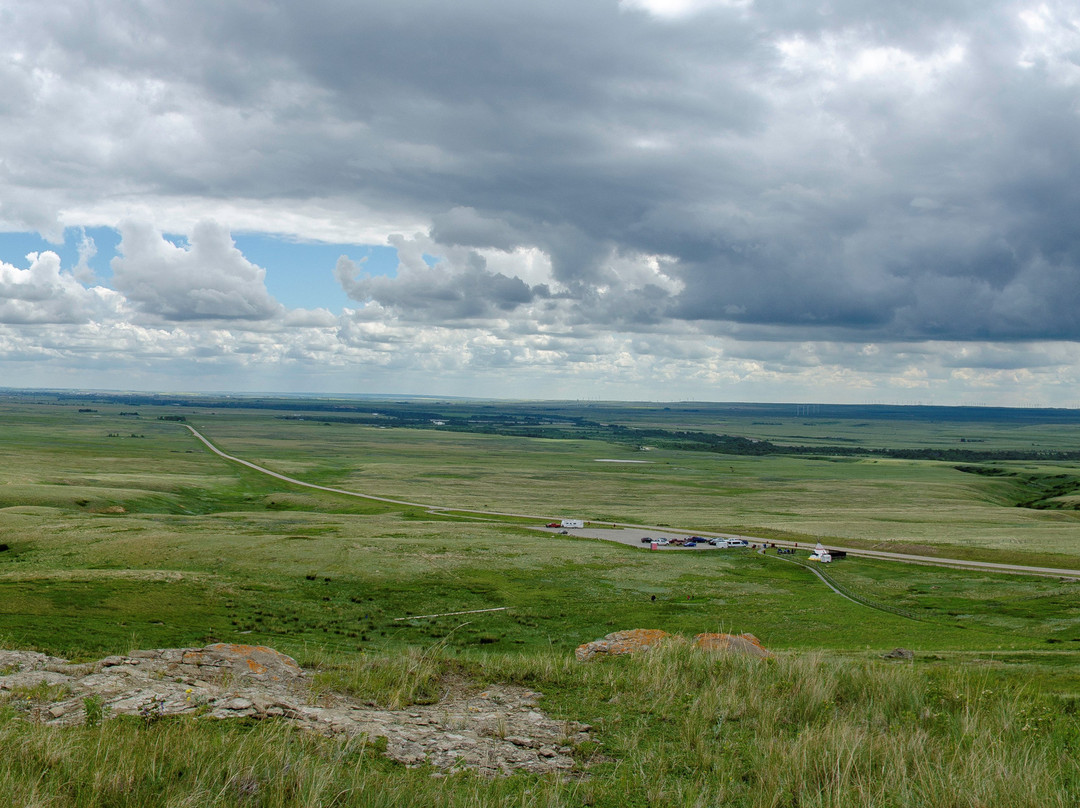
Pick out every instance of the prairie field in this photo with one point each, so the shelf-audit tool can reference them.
(872, 501)
(124, 531)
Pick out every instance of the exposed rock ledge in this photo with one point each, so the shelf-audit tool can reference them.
(496, 731)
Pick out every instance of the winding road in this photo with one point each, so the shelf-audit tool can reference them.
(632, 534)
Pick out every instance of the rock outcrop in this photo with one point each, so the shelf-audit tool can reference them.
(621, 642)
(746, 644)
(495, 731)
(642, 639)
(899, 653)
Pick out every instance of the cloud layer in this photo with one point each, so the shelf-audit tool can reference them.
(611, 185)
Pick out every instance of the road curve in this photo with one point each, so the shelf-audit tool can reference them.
(630, 533)
(357, 494)
(821, 578)
(294, 481)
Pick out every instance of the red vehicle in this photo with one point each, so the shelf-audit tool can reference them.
(553, 524)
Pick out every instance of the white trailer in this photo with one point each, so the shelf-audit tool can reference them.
(572, 523)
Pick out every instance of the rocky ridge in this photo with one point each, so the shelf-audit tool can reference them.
(499, 730)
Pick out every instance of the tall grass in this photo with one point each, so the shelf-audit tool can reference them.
(189, 764)
(673, 727)
(809, 731)
(413, 676)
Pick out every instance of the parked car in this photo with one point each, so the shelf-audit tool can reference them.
(662, 542)
(690, 543)
(646, 540)
(718, 542)
(737, 543)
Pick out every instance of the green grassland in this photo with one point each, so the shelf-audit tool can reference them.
(113, 524)
(98, 583)
(125, 531)
(874, 502)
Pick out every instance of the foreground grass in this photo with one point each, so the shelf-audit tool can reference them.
(674, 727)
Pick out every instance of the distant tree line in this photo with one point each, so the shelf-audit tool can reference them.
(567, 427)
(560, 420)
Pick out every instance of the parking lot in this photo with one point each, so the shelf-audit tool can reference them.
(634, 536)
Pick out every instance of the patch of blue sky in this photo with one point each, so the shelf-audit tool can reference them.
(177, 240)
(300, 274)
(14, 247)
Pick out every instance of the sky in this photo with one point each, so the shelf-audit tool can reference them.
(723, 200)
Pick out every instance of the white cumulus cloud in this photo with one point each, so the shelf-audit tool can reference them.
(209, 279)
(43, 293)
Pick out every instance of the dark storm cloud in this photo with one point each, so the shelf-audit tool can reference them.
(460, 289)
(846, 171)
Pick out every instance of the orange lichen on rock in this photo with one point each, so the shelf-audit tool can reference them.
(737, 643)
(621, 642)
(258, 660)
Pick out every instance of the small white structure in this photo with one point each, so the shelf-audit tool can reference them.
(820, 554)
(572, 523)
